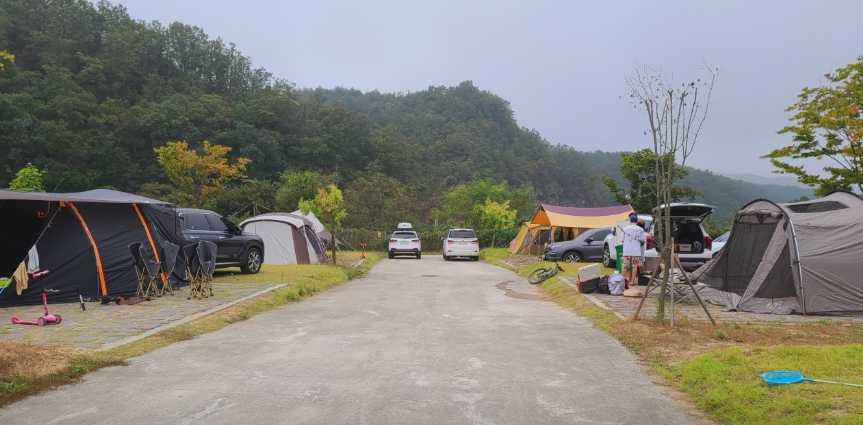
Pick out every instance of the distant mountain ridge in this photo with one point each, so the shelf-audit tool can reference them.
(778, 179)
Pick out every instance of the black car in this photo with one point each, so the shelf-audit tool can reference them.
(586, 247)
(236, 249)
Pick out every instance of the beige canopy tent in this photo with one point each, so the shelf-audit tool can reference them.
(571, 221)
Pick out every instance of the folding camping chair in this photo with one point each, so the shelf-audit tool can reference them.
(152, 269)
(140, 270)
(169, 262)
(206, 255)
(193, 269)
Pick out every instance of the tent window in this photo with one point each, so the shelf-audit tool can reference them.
(817, 207)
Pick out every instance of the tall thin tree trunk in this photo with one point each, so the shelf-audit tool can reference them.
(334, 247)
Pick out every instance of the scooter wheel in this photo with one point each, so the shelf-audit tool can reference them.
(59, 318)
(40, 321)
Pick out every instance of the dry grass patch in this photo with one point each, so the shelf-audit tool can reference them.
(17, 359)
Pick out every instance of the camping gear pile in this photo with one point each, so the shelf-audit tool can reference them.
(802, 257)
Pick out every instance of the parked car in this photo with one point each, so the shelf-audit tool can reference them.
(719, 243)
(693, 242)
(236, 248)
(460, 243)
(585, 247)
(404, 242)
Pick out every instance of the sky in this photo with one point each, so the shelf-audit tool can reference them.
(562, 65)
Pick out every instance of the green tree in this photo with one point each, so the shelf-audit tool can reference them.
(329, 206)
(197, 176)
(495, 217)
(378, 202)
(639, 170)
(27, 179)
(827, 124)
(458, 205)
(297, 185)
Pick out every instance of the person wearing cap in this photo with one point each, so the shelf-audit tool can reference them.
(634, 238)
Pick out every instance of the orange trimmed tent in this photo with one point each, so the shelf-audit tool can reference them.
(81, 240)
(571, 221)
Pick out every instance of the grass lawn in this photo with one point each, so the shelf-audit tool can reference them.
(719, 367)
(27, 369)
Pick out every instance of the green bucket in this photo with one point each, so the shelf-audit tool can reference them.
(618, 265)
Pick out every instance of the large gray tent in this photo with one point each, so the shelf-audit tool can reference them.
(804, 257)
(289, 238)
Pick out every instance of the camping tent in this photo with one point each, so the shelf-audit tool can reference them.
(802, 257)
(289, 238)
(571, 220)
(81, 240)
(525, 241)
(325, 236)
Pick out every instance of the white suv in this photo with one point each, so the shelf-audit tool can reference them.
(404, 242)
(693, 242)
(460, 243)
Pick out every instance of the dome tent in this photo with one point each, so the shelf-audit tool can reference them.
(81, 241)
(288, 238)
(801, 257)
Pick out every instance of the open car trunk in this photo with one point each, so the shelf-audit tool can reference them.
(689, 239)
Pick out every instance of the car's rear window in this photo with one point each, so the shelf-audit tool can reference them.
(404, 235)
(462, 234)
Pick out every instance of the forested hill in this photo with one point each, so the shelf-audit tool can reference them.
(92, 92)
(468, 132)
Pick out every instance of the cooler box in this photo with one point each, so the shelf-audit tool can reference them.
(589, 277)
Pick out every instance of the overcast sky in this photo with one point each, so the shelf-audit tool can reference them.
(561, 64)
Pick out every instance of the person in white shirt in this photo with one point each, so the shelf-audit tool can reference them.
(634, 238)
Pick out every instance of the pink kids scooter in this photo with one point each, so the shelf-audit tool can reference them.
(45, 319)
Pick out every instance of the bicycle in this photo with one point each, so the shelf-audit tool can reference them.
(544, 273)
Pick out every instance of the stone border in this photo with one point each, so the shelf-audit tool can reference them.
(186, 319)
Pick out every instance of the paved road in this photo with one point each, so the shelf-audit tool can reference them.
(415, 342)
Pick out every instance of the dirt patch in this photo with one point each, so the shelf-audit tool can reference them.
(505, 287)
(519, 261)
(28, 360)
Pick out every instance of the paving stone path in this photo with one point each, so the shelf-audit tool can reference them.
(104, 324)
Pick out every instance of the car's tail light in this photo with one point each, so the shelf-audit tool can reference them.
(450, 241)
(708, 243)
(475, 241)
(651, 242)
(393, 240)
(415, 240)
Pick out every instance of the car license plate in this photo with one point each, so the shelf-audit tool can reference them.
(403, 242)
(684, 247)
(462, 243)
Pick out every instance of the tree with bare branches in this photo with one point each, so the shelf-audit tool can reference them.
(675, 118)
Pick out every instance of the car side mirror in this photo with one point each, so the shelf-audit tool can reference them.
(589, 241)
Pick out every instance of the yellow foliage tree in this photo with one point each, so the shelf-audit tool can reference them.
(5, 56)
(196, 176)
